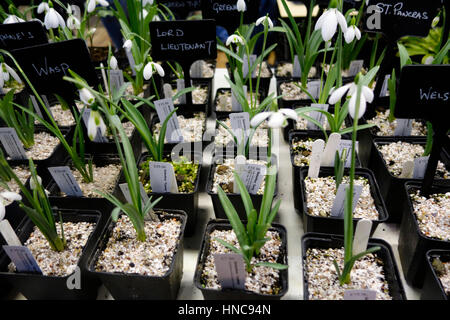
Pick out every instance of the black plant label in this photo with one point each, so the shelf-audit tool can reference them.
(21, 35)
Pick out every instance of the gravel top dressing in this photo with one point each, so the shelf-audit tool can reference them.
(397, 153)
(262, 280)
(223, 137)
(125, 254)
(323, 282)
(321, 192)
(292, 91)
(23, 173)
(385, 128)
(302, 151)
(265, 71)
(287, 68)
(443, 272)
(433, 214)
(191, 128)
(51, 262)
(44, 144)
(199, 95)
(223, 102)
(224, 177)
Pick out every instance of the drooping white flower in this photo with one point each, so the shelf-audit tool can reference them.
(113, 63)
(149, 67)
(73, 23)
(10, 196)
(5, 73)
(263, 19)
(241, 6)
(144, 13)
(328, 23)
(93, 3)
(156, 18)
(43, 7)
(351, 33)
(351, 90)
(95, 122)
(12, 19)
(33, 184)
(86, 96)
(234, 38)
(53, 19)
(127, 45)
(276, 119)
(145, 2)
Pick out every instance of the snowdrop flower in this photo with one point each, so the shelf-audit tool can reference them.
(263, 19)
(144, 13)
(148, 70)
(73, 23)
(93, 3)
(33, 184)
(53, 19)
(145, 2)
(12, 19)
(234, 38)
(351, 33)
(328, 23)
(241, 6)
(351, 88)
(156, 18)
(10, 196)
(95, 122)
(43, 7)
(127, 45)
(86, 96)
(113, 63)
(6, 72)
(277, 119)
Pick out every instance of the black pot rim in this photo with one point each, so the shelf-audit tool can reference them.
(436, 252)
(181, 215)
(375, 190)
(223, 222)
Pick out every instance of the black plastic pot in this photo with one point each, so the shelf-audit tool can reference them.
(203, 107)
(235, 198)
(222, 114)
(391, 187)
(290, 77)
(264, 83)
(188, 202)
(197, 146)
(335, 225)
(326, 241)
(86, 203)
(432, 287)
(290, 104)
(412, 243)
(296, 135)
(235, 294)
(38, 287)
(129, 286)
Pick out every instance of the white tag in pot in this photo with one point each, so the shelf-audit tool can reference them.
(240, 125)
(355, 67)
(235, 105)
(347, 145)
(173, 132)
(314, 159)
(360, 294)
(144, 198)
(329, 152)
(384, 87)
(12, 144)
(361, 237)
(131, 61)
(8, 234)
(116, 79)
(253, 176)
(180, 86)
(66, 181)
(197, 69)
(167, 89)
(316, 115)
(313, 88)
(338, 208)
(407, 170)
(420, 166)
(403, 128)
(296, 68)
(22, 259)
(162, 177)
(246, 65)
(230, 270)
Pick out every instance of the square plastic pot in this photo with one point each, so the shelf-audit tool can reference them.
(391, 187)
(236, 294)
(264, 83)
(334, 225)
(432, 287)
(290, 77)
(226, 114)
(326, 241)
(188, 202)
(129, 286)
(40, 287)
(412, 243)
(235, 198)
(290, 104)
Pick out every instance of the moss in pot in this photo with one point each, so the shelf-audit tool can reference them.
(262, 250)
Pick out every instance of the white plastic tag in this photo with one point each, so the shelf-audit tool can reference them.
(240, 125)
(403, 128)
(420, 166)
(173, 133)
(22, 259)
(8, 234)
(360, 294)
(253, 176)
(180, 86)
(314, 159)
(316, 115)
(230, 270)
(296, 68)
(355, 67)
(162, 177)
(338, 208)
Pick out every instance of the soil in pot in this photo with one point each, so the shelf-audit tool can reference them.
(223, 100)
(125, 254)
(291, 91)
(192, 127)
(186, 173)
(301, 149)
(323, 284)
(199, 95)
(207, 70)
(23, 173)
(129, 91)
(385, 128)
(60, 264)
(286, 69)
(344, 73)
(321, 192)
(397, 153)
(223, 137)
(44, 145)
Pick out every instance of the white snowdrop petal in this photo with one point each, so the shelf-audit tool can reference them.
(11, 196)
(289, 113)
(2, 210)
(13, 73)
(260, 117)
(276, 120)
(358, 33)
(329, 27)
(349, 35)
(159, 69)
(338, 94)
(148, 71)
(91, 5)
(341, 20)
(368, 93)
